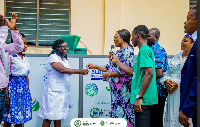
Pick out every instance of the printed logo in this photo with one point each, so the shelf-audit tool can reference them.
(95, 113)
(35, 105)
(91, 89)
(108, 89)
(96, 74)
(77, 123)
(102, 123)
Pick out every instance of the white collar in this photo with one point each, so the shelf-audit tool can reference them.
(194, 36)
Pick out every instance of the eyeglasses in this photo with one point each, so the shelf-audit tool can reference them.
(115, 37)
(152, 36)
(190, 36)
(64, 47)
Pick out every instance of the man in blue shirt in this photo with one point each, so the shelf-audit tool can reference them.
(161, 63)
(188, 86)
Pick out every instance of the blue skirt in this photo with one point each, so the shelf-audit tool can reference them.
(20, 101)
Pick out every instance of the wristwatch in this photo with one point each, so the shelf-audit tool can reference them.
(138, 97)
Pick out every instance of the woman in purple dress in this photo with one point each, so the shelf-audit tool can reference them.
(120, 83)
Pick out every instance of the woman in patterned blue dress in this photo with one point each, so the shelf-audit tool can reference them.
(120, 83)
(18, 97)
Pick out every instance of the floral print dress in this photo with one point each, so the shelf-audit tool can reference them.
(120, 87)
(20, 110)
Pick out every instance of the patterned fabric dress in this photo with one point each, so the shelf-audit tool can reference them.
(173, 100)
(20, 110)
(120, 87)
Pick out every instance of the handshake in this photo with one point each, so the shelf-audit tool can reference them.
(104, 69)
(11, 24)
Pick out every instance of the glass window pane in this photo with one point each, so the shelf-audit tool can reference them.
(26, 18)
(53, 21)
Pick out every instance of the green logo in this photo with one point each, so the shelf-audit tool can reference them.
(95, 113)
(91, 89)
(35, 105)
(77, 123)
(107, 89)
(102, 123)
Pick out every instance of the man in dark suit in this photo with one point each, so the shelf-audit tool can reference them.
(188, 86)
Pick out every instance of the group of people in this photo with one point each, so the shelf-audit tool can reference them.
(15, 97)
(138, 88)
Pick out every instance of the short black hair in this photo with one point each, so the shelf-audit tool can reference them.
(195, 12)
(142, 30)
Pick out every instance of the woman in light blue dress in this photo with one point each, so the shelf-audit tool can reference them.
(171, 78)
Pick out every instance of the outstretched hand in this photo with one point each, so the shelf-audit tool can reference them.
(91, 66)
(84, 71)
(13, 22)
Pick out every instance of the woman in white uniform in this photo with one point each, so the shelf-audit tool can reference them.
(55, 98)
(171, 79)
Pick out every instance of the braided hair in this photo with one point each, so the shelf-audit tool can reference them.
(55, 47)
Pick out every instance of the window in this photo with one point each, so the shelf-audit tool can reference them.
(42, 21)
(193, 3)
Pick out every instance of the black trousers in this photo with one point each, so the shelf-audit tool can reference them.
(194, 119)
(142, 119)
(157, 111)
